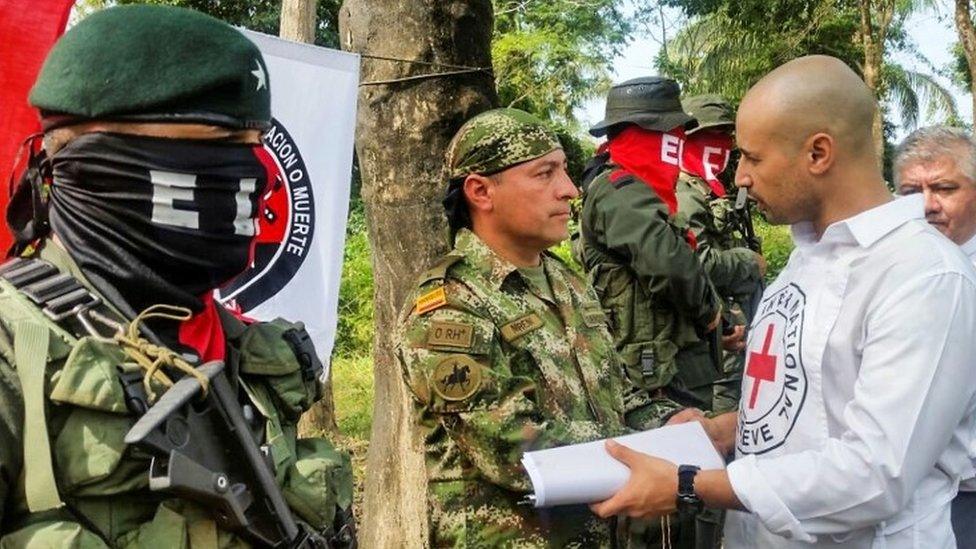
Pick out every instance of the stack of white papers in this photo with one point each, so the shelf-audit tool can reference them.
(585, 473)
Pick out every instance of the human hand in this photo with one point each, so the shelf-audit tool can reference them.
(736, 341)
(714, 429)
(685, 416)
(651, 491)
(715, 321)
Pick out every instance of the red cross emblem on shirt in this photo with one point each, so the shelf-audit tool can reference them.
(761, 367)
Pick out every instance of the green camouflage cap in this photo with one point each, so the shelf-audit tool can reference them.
(651, 102)
(711, 111)
(156, 63)
(498, 139)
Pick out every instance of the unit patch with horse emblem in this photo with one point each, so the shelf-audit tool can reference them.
(456, 378)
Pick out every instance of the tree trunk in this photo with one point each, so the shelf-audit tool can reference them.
(872, 72)
(871, 76)
(298, 20)
(967, 35)
(403, 129)
(875, 20)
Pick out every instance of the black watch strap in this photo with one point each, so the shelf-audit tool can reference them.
(688, 500)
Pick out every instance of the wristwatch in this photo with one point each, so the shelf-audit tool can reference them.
(688, 500)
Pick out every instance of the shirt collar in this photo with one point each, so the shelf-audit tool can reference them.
(483, 259)
(969, 248)
(867, 227)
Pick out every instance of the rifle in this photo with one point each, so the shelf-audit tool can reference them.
(205, 450)
(744, 214)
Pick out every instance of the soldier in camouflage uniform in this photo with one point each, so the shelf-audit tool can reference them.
(144, 199)
(663, 312)
(505, 350)
(703, 207)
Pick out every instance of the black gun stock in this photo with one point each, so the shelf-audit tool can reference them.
(203, 450)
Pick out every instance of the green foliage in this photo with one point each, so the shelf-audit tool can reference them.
(257, 15)
(549, 57)
(728, 49)
(578, 151)
(959, 68)
(777, 244)
(352, 389)
(916, 93)
(730, 44)
(354, 334)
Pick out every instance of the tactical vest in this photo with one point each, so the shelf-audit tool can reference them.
(659, 351)
(83, 486)
(727, 231)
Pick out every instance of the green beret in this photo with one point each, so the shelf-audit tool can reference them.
(155, 63)
(711, 111)
(498, 139)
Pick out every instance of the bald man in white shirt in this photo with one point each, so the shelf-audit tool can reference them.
(859, 391)
(939, 163)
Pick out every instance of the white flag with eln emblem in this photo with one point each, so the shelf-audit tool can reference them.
(298, 255)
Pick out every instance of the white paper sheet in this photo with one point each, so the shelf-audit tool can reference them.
(585, 473)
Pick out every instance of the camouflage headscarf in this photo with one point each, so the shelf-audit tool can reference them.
(498, 139)
(487, 144)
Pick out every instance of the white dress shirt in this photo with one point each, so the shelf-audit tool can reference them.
(969, 485)
(859, 389)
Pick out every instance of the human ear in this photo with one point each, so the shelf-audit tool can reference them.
(478, 192)
(820, 153)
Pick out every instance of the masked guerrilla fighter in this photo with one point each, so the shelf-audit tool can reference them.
(136, 411)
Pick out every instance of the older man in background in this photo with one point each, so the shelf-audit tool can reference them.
(940, 164)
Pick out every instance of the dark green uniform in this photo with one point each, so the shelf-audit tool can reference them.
(72, 386)
(732, 268)
(648, 279)
(652, 286)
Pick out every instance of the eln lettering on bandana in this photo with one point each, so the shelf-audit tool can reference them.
(706, 155)
(153, 220)
(655, 158)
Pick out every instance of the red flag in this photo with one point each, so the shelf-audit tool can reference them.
(28, 29)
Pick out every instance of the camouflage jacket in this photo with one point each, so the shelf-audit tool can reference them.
(104, 483)
(730, 265)
(496, 369)
(652, 286)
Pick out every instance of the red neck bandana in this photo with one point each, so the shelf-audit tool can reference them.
(654, 157)
(203, 332)
(706, 154)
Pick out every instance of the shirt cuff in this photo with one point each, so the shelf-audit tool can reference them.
(760, 498)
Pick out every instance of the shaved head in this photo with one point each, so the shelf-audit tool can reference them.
(805, 134)
(814, 94)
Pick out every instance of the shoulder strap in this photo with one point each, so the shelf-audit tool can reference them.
(30, 350)
(57, 296)
(620, 178)
(593, 168)
(439, 269)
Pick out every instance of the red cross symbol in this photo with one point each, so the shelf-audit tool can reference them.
(762, 367)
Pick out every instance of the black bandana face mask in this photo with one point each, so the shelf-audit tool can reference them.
(152, 220)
